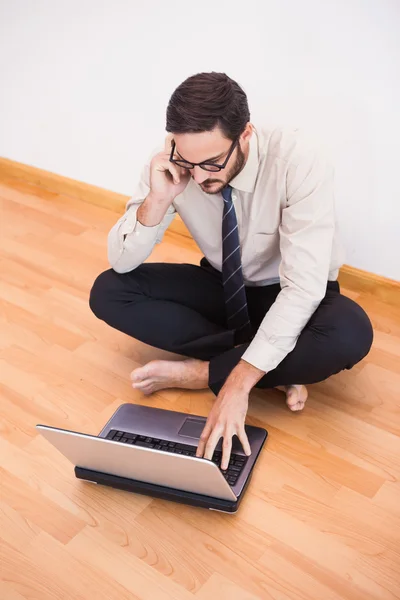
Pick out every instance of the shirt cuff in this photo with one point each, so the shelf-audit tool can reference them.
(132, 227)
(264, 355)
(145, 234)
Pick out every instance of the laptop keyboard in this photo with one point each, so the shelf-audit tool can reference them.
(236, 463)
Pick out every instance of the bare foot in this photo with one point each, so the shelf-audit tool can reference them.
(296, 396)
(190, 374)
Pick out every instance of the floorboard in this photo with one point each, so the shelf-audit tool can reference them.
(321, 518)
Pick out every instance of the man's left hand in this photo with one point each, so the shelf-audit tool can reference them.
(228, 414)
(225, 420)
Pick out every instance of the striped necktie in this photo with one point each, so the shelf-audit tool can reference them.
(232, 276)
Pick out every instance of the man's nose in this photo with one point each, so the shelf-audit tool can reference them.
(199, 174)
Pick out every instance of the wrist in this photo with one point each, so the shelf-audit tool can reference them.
(155, 200)
(244, 376)
(152, 211)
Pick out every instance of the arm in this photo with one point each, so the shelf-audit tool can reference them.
(306, 236)
(149, 211)
(133, 237)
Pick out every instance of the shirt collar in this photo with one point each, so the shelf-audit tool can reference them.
(245, 181)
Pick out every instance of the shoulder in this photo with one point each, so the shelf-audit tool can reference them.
(293, 146)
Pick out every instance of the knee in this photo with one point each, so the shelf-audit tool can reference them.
(354, 330)
(100, 294)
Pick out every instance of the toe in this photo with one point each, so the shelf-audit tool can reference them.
(294, 407)
(139, 374)
(147, 391)
(139, 385)
(292, 398)
(145, 387)
(296, 397)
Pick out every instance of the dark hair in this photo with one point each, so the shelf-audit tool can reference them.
(205, 101)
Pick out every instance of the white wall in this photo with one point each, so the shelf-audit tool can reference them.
(85, 84)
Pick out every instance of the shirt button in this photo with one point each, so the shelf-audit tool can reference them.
(137, 232)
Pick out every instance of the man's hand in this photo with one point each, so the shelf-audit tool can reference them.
(225, 420)
(167, 181)
(228, 414)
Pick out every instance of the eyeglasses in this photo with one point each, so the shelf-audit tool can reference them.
(207, 166)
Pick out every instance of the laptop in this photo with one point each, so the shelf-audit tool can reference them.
(152, 451)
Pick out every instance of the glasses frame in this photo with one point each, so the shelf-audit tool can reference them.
(204, 163)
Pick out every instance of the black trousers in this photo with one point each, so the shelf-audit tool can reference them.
(180, 308)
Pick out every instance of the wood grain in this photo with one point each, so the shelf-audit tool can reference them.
(321, 518)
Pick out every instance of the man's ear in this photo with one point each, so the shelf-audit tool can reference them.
(247, 133)
(168, 142)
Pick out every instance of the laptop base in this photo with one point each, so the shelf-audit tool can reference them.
(158, 491)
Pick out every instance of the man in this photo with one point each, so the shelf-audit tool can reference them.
(263, 308)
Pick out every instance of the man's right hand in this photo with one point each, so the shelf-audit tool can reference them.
(167, 181)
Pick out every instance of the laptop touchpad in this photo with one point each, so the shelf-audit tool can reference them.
(192, 427)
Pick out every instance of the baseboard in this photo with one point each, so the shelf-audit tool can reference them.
(93, 194)
(382, 288)
(357, 280)
(10, 169)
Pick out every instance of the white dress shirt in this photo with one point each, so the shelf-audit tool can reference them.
(284, 204)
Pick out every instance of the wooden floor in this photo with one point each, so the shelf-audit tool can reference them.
(320, 520)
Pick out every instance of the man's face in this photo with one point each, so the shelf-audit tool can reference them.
(211, 146)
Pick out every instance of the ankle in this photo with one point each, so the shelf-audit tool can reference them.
(198, 370)
(205, 370)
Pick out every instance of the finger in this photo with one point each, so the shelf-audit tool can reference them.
(226, 451)
(175, 171)
(164, 164)
(201, 448)
(205, 434)
(168, 146)
(184, 171)
(244, 440)
(212, 442)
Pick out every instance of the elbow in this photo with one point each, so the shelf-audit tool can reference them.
(125, 258)
(118, 263)
(315, 297)
(311, 294)
(319, 295)
(120, 269)
(121, 266)
(125, 261)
